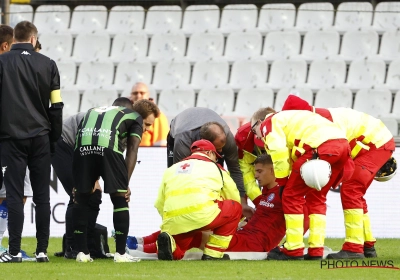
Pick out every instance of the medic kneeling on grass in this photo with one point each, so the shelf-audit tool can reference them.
(316, 155)
(197, 194)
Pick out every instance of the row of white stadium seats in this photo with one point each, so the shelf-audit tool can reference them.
(377, 103)
(362, 74)
(201, 18)
(239, 45)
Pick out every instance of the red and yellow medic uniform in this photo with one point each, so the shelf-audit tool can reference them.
(291, 138)
(196, 195)
(371, 145)
(157, 133)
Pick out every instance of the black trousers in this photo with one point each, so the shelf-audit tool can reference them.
(16, 155)
(62, 164)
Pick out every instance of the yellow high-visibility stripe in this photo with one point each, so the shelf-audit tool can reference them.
(367, 229)
(357, 148)
(187, 210)
(353, 221)
(317, 230)
(294, 231)
(184, 191)
(213, 253)
(55, 96)
(219, 241)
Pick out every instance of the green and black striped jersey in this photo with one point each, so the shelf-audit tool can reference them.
(109, 127)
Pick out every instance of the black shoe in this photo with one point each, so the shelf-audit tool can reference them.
(41, 257)
(7, 257)
(70, 254)
(342, 254)
(59, 254)
(370, 252)
(164, 247)
(205, 257)
(280, 256)
(307, 257)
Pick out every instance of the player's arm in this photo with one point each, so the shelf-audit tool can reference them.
(55, 110)
(231, 158)
(135, 136)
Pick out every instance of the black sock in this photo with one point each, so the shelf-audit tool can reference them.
(121, 222)
(80, 220)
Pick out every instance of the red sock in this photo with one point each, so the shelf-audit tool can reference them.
(150, 248)
(151, 238)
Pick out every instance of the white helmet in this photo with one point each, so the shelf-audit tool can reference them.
(387, 171)
(316, 173)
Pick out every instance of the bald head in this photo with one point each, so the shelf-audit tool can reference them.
(139, 91)
(215, 133)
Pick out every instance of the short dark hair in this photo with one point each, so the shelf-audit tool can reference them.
(206, 131)
(24, 30)
(123, 102)
(145, 108)
(263, 159)
(260, 114)
(6, 34)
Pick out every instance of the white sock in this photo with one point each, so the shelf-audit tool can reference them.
(139, 240)
(139, 248)
(3, 227)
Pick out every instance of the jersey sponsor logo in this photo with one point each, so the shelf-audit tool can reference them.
(91, 150)
(3, 169)
(266, 204)
(101, 132)
(25, 53)
(271, 197)
(185, 168)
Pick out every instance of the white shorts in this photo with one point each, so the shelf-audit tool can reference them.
(27, 186)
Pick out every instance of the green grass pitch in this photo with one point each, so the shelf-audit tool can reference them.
(59, 268)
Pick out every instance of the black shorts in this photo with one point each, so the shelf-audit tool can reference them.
(92, 162)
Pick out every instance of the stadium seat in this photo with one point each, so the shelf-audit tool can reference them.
(333, 98)
(67, 70)
(396, 107)
(57, 46)
(320, 44)
(281, 45)
(304, 93)
(392, 125)
(99, 47)
(358, 45)
(243, 45)
(387, 16)
(352, 16)
(314, 16)
(97, 98)
(393, 76)
(375, 102)
(130, 72)
(128, 47)
(390, 46)
(238, 18)
(248, 74)
(173, 101)
(205, 46)
(366, 73)
(52, 18)
(71, 99)
(276, 17)
(99, 74)
(287, 73)
(163, 19)
(88, 18)
(171, 74)
(125, 19)
(220, 100)
(167, 46)
(200, 18)
(250, 100)
(20, 13)
(326, 74)
(210, 74)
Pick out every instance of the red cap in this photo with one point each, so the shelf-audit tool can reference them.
(294, 102)
(203, 145)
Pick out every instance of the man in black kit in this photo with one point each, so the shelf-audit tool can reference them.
(28, 129)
